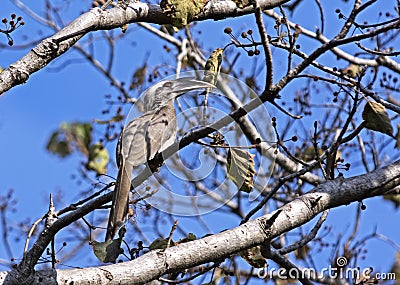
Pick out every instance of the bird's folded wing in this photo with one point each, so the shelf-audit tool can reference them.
(148, 134)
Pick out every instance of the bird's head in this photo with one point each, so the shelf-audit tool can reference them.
(166, 90)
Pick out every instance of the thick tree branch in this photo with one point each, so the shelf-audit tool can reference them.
(96, 19)
(335, 193)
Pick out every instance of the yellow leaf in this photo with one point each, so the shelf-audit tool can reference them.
(353, 70)
(242, 3)
(253, 257)
(241, 169)
(182, 12)
(213, 66)
(394, 198)
(98, 158)
(376, 118)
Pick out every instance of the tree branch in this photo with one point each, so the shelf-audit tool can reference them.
(150, 266)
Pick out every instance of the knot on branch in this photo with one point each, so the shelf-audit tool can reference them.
(19, 75)
(47, 48)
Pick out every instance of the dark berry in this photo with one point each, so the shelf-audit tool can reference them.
(227, 30)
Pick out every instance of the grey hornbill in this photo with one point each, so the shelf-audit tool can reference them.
(144, 137)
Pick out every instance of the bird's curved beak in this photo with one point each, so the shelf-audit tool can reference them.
(183, 85)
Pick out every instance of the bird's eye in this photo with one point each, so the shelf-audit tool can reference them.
(167, 84)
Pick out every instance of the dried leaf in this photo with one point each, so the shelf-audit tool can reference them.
(182, 12)
(124, 28)
(241, 169)
(110, 250)
(98, 158)
(253, 257)
(116, 118)
(138, 77)
(396, 268)
(393, 198)
(397, 145)
(376, 118)
(242, 3)
(302, 252)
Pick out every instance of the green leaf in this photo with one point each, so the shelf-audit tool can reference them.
(109, 251)
(189, 237)
(182, 12)
(376, 118)
(69, 136)
(80, 133)
(98, 158)
(160, 243)
(57, 145)
(253, 257)
(213, 66)
(241, 168)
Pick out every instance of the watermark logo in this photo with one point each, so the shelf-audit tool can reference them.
(358, 275)
(341, 261)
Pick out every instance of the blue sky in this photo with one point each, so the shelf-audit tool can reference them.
(29, 113)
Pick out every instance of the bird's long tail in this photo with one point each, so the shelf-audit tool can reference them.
(119, 206)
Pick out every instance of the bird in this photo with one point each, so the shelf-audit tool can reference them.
(143, 138)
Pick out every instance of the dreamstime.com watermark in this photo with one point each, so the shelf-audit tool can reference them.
(331, 272)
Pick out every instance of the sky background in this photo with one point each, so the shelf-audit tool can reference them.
(29, 113)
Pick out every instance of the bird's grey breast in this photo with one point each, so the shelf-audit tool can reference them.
(149, 134)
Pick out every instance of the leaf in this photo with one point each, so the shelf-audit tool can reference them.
(241, 169)
(116, 118)
(213, 66)
(69, 136)
(182, 12)
(242, 3)
(98, 158)
(394, 198)
(77, 135)
(376, 118)
(58, 146)
(397, 145)
(353, 70)
(396, 268)
(108, 251)
(124, 28)
(189, 237)
(302, 252)
(160, 243)
(253, 257)
(138, 77)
